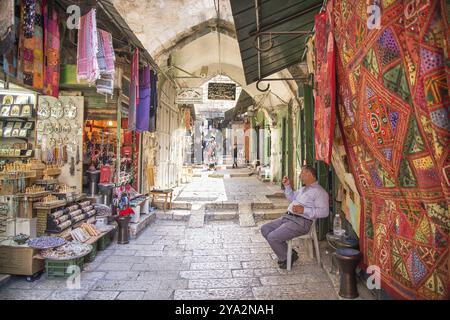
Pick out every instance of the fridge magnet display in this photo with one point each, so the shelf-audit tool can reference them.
(15, 111)
(26, 111)
(8, 100)
(17, 125)
(15, 133)
(5, 111)
(7, 132)
(23, 133)
(29, 125)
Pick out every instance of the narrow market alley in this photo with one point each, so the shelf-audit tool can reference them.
(224, 150)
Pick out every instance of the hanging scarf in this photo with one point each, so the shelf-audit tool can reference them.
(52, 53)
(143, 110)
(134, 91)
(7, 33)
(29, 17)
(153, 100)
(87, 63)
(106, 58)
(31, 50)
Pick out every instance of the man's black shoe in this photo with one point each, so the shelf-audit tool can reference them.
(283, 264)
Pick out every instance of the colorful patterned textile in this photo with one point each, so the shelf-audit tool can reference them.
(325, 93)
(143, 110)
(87, 63)
(52, 50)
(106, 58)
(29, 17)
(31, 50)
(393, 107)
(134, 91)
(7, 20)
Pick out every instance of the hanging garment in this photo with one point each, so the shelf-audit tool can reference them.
(31, 50)
(310, 59)
(10, 58)
(153, 100)
(52, 44)
(325, 95)
(29, 17)
(106, 59)
(7, 20)
(134, 91)
(87, 62)
(393, 113)
(143, 110)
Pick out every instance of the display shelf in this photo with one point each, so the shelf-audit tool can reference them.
(50, 206)
(18, 118)
(18, 157)
(14, 176)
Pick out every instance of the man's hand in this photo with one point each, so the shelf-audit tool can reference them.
(286, 182)
(298, 209)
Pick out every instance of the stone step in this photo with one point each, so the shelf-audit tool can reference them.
(144, 221)
(268, 214)
(181, 205)
(246, 220)
(276, 195)
(221, 206)
(221, 215)
(262, 205)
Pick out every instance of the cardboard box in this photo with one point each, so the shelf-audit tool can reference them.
(18, 260)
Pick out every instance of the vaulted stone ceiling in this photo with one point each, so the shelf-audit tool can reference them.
(186, 31)
(158, 23)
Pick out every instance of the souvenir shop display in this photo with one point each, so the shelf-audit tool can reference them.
(46, 242)
(17, 122)
(60, 136)
(70, 250)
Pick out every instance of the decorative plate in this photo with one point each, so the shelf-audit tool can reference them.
(66, 127)
(44, 110)
(70, 111)
(57, 110)
(42, 243)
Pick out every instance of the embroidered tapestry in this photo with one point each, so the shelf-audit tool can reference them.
(31, 45)
(52, 44)
(325, 88)
(393, 105)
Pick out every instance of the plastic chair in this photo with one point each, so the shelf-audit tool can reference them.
(311, 235)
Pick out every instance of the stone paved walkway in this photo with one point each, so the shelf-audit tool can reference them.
(209, 189)
(169, 260)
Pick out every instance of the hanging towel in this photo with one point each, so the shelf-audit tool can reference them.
(7, 21)
(143, 109)
(87, 62)
(106, 59)
(134, 91)
(52, 50)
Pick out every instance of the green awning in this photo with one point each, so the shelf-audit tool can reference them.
(274, 16)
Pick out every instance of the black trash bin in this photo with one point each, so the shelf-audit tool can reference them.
(123, 234)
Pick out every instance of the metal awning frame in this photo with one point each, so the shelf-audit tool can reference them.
(257, 45)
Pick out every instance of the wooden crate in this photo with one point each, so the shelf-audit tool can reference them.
(19, 260)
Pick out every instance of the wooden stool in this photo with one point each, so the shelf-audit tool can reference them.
(165, 195)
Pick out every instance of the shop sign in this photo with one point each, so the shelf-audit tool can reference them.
(221, 91)
(190, 96)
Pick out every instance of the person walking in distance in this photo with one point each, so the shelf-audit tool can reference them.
(307, 204)
(235, 155)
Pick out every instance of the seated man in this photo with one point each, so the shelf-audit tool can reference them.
(308, 203)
